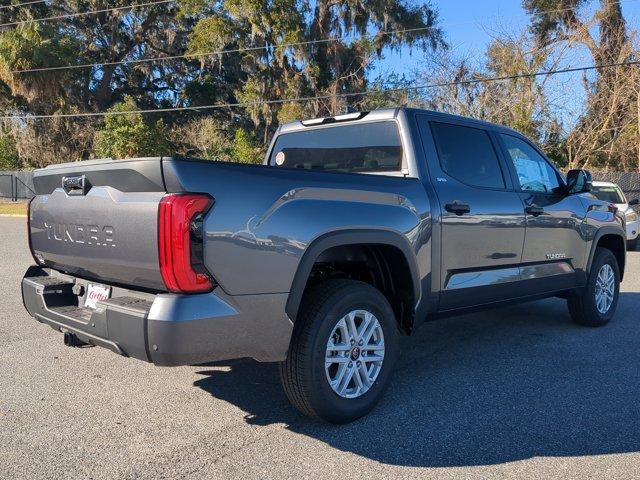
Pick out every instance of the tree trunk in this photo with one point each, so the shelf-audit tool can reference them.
(613, 33)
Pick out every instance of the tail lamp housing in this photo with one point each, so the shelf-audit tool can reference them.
(178, 241)
(33, 254)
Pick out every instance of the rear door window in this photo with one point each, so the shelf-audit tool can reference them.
(364, 147)
(467, 154)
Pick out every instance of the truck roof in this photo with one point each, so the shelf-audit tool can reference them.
(383, 114)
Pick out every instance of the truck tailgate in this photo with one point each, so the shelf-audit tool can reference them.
(99, 220)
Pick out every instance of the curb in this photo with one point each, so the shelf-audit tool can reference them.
(13, 215)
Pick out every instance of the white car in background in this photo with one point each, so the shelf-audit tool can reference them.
(610, 192)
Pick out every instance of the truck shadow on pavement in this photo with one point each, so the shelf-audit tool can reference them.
(480, 389)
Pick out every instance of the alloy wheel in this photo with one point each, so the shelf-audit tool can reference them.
(354, 354)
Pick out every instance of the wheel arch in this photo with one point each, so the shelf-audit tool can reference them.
(349, 238)
(614, 240)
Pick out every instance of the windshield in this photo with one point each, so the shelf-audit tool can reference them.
(608, 193)
(366, 147)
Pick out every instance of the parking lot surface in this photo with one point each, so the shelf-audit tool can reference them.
(518, 392)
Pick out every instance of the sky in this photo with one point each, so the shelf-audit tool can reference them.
(469, 26)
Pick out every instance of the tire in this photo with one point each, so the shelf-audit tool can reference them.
(304, 376)
(584, 307)
(632, 245)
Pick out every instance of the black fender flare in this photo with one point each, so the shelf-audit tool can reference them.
(602, 231)
(348, 237)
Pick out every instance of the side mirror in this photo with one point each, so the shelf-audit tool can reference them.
(634, 202)
(579, 181)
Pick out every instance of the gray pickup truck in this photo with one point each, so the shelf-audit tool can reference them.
(355, 230)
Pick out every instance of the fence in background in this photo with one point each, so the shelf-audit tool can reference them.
(18, 185)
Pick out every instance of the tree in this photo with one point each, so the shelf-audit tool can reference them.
(209, 139)
(279, 49)
(601, 136)
(320, 48)
(555, 21)
(8, 154)
(129, 135)
(520, 102)
(128, 34)
(102, 40)
(244, 149)
(607, 135)
(204, 138)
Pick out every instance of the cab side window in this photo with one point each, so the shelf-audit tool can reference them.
(534, 172)
(467, 154)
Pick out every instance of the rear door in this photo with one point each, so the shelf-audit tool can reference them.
(482, 217)
(554, 244)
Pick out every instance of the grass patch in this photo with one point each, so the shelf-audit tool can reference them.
(13, 208)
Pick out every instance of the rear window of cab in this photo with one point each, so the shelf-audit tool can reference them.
(363, 147)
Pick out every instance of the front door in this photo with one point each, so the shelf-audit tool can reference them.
(481, 216)
(554, 246)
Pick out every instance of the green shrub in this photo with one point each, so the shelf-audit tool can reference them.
(128, 134)
(9, 159)
(244, 149)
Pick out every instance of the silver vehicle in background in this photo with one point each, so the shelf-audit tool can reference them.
(610, 192)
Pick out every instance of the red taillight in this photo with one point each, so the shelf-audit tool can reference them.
(174, 242)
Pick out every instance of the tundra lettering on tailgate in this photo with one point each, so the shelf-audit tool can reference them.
(102, 236)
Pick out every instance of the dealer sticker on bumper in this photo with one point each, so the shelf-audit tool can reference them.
(96, 293)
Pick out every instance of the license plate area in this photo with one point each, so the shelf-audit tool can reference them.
(96, 292)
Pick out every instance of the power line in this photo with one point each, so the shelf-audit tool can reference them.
(80, 14)
(241, 49)
(15, 5)
(221, 52)
(324, 97)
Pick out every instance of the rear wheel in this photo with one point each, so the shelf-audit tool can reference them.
(343, 350)
(596, 305)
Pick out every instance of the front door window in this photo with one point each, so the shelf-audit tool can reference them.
(534, 172)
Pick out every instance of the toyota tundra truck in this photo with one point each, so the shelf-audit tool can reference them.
(354, 231)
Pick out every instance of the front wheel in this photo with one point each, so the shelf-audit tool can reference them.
(596, 305)
(342, 353)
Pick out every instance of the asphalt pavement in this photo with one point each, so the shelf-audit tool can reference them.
(519, 392)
